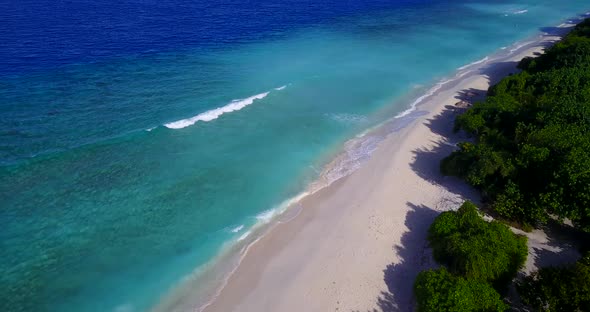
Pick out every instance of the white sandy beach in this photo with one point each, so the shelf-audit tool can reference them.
(358, 244)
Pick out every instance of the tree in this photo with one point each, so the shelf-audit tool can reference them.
(476, 249)
(556, 289)
(440, 291)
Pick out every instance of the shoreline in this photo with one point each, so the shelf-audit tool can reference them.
(248, 285)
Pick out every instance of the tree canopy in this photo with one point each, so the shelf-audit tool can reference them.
(476, 249)
(441, 291)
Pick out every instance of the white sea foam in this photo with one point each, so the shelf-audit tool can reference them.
(270, 214)
(356, 152)
(520, 12)
(150, 129)
(237, 228)
(483, 60)
(438, 86)
(253, 234)
(347, 118)
(244, 235)
(209, 115)
(422, 98)
(266, 215)
(520, 46)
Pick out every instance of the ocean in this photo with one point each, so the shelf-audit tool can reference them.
(141, 139)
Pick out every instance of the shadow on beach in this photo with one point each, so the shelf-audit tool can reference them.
(414, 256)
(555, 244)
(427, 160)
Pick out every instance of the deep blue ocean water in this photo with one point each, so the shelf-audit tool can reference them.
(139, 137)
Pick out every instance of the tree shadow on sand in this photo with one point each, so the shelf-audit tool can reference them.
(414, 256)
(559, 246)
(553, 244)
(427, 160)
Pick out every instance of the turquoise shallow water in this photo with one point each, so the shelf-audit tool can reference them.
(122, 174)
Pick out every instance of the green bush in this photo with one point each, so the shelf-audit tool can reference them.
(471, 247)
(553, 289)
(440, 291)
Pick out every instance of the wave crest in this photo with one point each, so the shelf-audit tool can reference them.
(483, 60)
(347, 118)
(237, 228)
(520, 12)
(209, 115)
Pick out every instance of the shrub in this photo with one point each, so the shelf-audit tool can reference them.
(471, 247)
(440, 291)
(564, 289)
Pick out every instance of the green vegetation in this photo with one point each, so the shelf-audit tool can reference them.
(480, 258)
(558, 289)
(439, 290)
(531, 156)
(471, 247)
(571, 52)
(531, 160)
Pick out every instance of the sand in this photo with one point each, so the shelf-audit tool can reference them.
(358, 244)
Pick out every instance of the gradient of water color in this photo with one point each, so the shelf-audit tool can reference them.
(139, 137)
